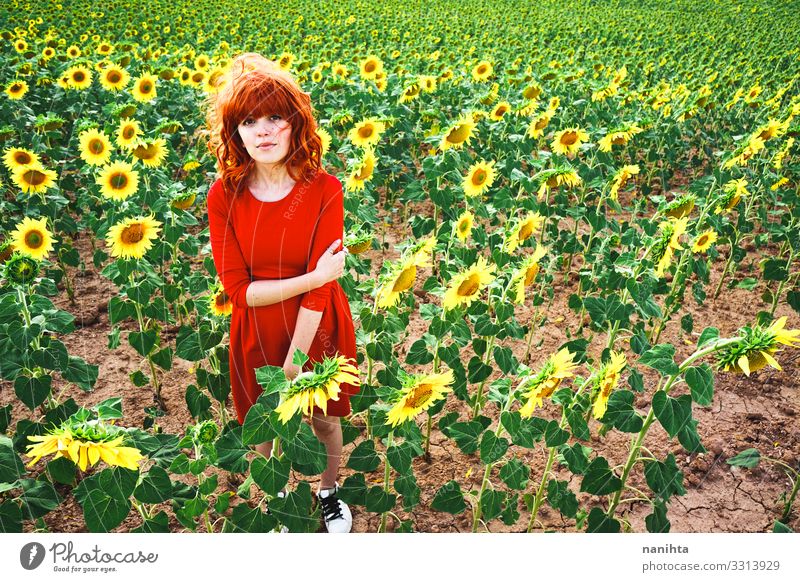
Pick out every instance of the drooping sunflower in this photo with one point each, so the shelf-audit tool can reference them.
(33, 178)
(744, 153)
(16, 89)
(367, 133)
(565, 176)
(144, 88)
(362, 173)
(679, 207)
(317, 387)
(526, 273)
(704, 241)
(32, 238)
(463, 225)
(358, 242)
(620, 178)
(458, 134)
(410, 93)
(568, 141)
(16, 158)
(114, 78)
(370, 67)
(131, 238)
(128, 133)
(605, 381)
(757, 348)
(499, 110)
(95, 147)
(538, 124)
(325, 138)
(733, 192)
(535, 388)
(773, 128)
(618, 136)
(482, 71)
(668, 241)
(183, 200)
(400, 275)
(479, 178)
(85, 442)
(419, 393)
(151, 152)
(118, 181)
(466, 286)
(522, 230)
(79, 77)
(219, 303)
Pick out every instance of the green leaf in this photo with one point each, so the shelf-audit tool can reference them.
(491, 504)
(492, 448)
(11, 517)
(299, 357)
(406, 485)
(400, 457)
(515, 474)
(560, 497)
(11, 466)
(155, 486)
(466, 435)
(607, 309)
(708, 335)
(364, 458)
(576, 458)
(580, 429)
(105, 498)
(600, 479)
(661, 358)
(418, 353)
(257, 427)
(554, 435)
(294, 510)
(701, 383)
(307, 453)
(143, 343)
(272, 379)
(524, 432)
(748, 458)
(32, 392)
(664, 478)
(354, 490)
(779, 527)
(600, 523)
(620, 412)
(657, 521)
(672, 413)
(252, 520)
(109, 408)
(477, 371)
(271, 475)
(158, 524)
(449, 498)
(231, 451)
(378, 500)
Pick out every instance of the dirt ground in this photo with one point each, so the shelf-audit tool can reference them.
(760, 411)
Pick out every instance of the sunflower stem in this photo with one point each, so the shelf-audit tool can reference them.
(776, 298)
(539, 498)
(386, 476)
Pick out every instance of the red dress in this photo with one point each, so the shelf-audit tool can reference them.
(253, 240)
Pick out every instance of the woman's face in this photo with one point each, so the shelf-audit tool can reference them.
(266, 139)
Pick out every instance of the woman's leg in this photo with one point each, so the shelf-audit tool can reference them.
(266, 449)
(329, 431)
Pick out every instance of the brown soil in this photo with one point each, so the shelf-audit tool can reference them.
(760, 411)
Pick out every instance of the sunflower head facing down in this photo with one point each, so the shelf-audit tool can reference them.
(467, 285)
(668, 241)
(317, 387)
(458, 134)
(733, 191)
(32, 238)
(131, 238)
(151, 152)
(757, 347)
(401, 275)
(536, 387)
(680, 206)
(419, 393)
(605, 381)
(526, 273)
(522, 230)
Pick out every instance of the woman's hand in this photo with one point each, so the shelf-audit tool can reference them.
(291, 370)
(330, 265)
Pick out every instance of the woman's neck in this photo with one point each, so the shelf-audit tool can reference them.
(270, 178)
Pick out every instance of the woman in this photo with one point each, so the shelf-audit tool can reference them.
(276, 221)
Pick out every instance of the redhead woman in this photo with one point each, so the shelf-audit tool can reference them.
(276, 221)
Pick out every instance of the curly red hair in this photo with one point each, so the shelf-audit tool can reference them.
(254, 86)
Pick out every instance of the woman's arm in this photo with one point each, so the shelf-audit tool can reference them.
(269, 291)
(304, 331)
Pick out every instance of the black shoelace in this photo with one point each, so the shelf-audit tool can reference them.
(331, 508)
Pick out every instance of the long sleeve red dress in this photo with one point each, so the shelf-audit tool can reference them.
(253, 240)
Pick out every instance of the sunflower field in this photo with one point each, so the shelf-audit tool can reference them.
(574, 236)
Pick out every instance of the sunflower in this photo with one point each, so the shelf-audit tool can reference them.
(152, 152)
(458, 134)
(16, 90)
(20, 45)
(79, 77)
(131, 238)
(621, 178)
(73, 51)
(220, 303)
(463, 226)
(771, 129)
(491, 95)
(704, 241)
(538, 124)
(777, 160)
(410, 93)
(568, 141)
(532, 91)
(526, 273)
(757, 347)
(15, 158)
(128, 133)
(114, 78)
(144, 88)
(316, 388)
(479, 178)
(466, 286)
(427, 83)
(400, 276)
(679, 207)
(370, 67)
(359, 242)
(419, 393)
(32, 238)
(367, 133)
(499, 111)
(85, 442)
(339, 70)
(620, 136)
(482, 71)
(522, 230)
(743, 154)
(118, 181)
(668, 241)
(325, 138)
(363, 172)
(33, 178)
(95, 147)
(605, 381)
(536, 387)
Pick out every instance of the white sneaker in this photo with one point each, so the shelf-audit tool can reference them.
(335, 512)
